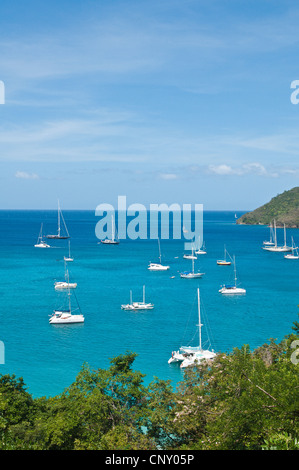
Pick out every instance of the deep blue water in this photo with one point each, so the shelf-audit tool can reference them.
(49, 357)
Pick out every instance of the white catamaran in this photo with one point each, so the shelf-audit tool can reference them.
(232, 289)
(66, 284)
(67, 316)
(59, 234)
(224, 261)
(69, 257)
(158, 266)
(138, 305)
(40, 241)
(187, 355)
(294, 254)
(114, 240)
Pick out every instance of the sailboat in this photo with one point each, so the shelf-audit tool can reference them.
(271, 241)
(294, 254)
(66, 316)
(187, 355)
(69, 257)
(59, 234)
(232, 289)
(114, 240)
(40, 242)
(224, 261)
(138, 305)
(190, 256)
(275, 247)
(191, 274)
(158, 266)
(201, 249)
(66, 284)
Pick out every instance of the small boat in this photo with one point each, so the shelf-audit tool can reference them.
(66, 316)
(69, 257)
(190, 256)
(59, 234)
(224, 261)
(188, 356)
(66, 284)
(271, 241)
(276, 248)
(158, 266)
(114, 240)
(40, 241)
(294, 254)
(191, 274)
(138, 305)
(232, 289)
(201, 249)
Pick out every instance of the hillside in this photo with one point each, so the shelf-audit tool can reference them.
(284, 208)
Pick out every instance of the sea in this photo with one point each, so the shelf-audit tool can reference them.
(49, 357)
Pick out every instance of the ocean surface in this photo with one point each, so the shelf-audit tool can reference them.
(49, 357)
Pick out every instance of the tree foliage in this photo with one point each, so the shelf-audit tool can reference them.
(242, 400)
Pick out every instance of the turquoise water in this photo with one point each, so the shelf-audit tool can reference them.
(49, 357)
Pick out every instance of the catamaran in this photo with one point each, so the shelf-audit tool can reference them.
(66, 316)
(69, 257)
(114, 240)
(158, 266)
(191, 274)
(275, 247)
(232, 289)
(201, 248)
(294, 254)
(40, 241)
(224, 261)
(138, 305)
(66, 284)
(187, 355)
(59, 234)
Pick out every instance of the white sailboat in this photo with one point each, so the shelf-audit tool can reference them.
(187, 355)
(158, 266)
(40, 241)
(271, 241)
(276, 248)
(138, 305)
(114, 240)
(224, 261)
(66, 284)
(201, 248)
(232, 289)
(294, 254)
(69, 257)
(59, 234)
(191, 274)
(66, 316)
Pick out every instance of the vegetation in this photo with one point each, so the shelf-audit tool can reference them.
(244, 400)
(284, 208)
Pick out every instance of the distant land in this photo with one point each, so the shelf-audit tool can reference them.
(284, 208)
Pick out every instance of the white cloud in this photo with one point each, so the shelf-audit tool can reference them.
(27, 176)
(168, 176)
(245, 169)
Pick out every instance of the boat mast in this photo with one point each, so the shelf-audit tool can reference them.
(159, 251)
(199, 322)
(144, 294)
(58, 219)
(235, 271)
(112, 221)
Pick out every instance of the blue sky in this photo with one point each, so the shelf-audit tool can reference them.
(164, 101)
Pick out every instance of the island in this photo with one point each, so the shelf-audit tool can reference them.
(284, 208)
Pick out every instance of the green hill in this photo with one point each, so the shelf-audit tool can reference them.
(284, 208)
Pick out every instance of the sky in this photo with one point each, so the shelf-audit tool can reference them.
(168, 101)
